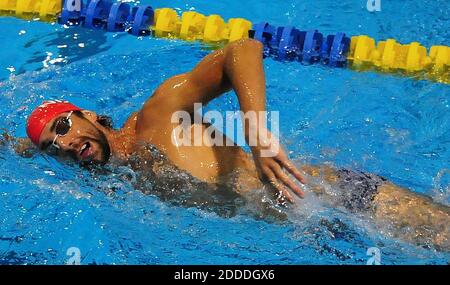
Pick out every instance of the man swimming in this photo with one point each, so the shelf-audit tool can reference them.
(67, 130)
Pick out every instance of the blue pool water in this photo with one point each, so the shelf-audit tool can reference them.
(392, 126)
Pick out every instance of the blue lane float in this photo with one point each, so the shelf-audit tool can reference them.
(308, 47)
(288, 43)
(284, 43)
(118, 17)
(281, 43)
(112, 17)
(142, 18)
(96, 14)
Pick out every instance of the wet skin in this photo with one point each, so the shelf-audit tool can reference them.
(407, 215)
(238, 66)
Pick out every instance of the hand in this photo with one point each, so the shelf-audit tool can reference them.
(22, 146)
(273, 168)
(4, 137)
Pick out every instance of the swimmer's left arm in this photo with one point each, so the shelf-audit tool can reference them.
(238, 66)
(212, 77)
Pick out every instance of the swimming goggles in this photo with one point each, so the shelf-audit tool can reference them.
(62, 127)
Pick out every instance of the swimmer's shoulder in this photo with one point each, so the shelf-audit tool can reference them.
(130, 123)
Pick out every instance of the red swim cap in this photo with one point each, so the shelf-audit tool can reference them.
(44, 114)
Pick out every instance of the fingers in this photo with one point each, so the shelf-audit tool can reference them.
(283, 177)
(5, 138)
(293, 170)
(282, 190)
(277, 185)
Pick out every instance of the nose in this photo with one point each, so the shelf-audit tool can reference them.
(66, 144)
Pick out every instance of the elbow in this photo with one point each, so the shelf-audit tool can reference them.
(247, 44)
(253, 44)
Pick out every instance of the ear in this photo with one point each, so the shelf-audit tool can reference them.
(90, 115)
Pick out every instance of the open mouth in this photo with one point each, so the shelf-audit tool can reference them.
(86, 150)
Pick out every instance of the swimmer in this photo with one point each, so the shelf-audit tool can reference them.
(64, 129)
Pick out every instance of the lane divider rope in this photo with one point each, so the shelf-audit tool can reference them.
(287, 43)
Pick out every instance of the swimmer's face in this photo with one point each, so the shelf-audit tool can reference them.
(78, 135)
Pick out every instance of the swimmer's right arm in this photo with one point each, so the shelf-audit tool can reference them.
(22, 146)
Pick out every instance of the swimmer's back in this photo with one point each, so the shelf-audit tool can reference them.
(405, 214)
